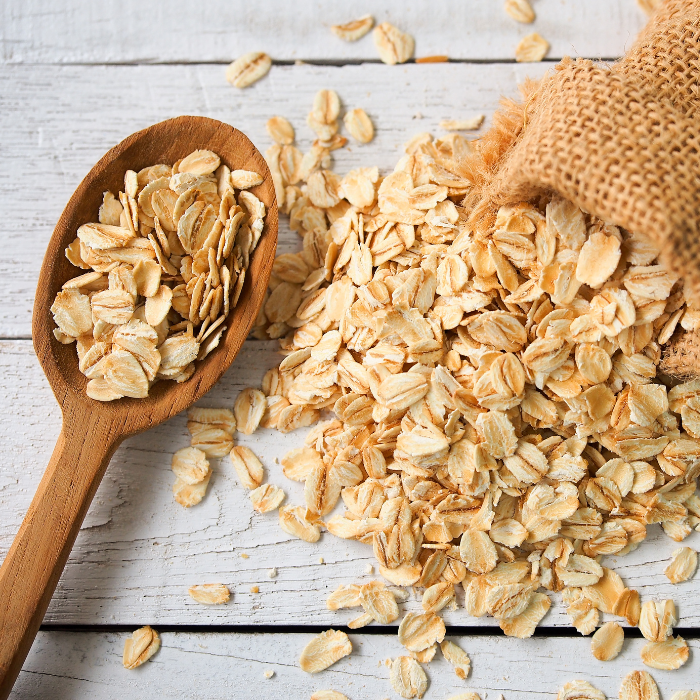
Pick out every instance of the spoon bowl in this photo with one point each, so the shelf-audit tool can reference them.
(92, 430)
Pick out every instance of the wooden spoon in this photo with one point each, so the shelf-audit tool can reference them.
(92, 430)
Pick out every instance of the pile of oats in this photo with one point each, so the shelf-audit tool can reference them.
(492, 414)
(484, 402)
(167, 259)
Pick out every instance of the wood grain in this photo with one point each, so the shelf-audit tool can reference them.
(139, 551)
(49, 144)
(217, 666)
(92, 430)
(80, 31)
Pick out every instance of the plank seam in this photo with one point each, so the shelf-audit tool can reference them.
(452, 630)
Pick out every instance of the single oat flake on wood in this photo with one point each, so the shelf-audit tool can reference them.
(393, 45)
(682, 566)
(520, 11)
(140, 647)
(324, 650)
(407, 677)
(354, 30)
(638, 685)
(531, 49)
(579, 690)
(210, 593)
(248, 69)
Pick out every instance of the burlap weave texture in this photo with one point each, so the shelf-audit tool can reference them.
(620, 141)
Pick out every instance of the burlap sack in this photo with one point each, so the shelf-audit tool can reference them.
(621, 141)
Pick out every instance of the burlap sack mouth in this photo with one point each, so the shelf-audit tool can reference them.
(620, 141)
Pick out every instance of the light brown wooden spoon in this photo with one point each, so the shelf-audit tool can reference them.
(92, 430)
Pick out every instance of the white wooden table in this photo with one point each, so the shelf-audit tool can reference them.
(78, 76)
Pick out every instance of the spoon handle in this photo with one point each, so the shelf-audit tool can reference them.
(39, 552)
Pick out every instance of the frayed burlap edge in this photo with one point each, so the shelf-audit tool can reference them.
(619, 141)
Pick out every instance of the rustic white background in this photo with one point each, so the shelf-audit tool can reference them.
(76, 77)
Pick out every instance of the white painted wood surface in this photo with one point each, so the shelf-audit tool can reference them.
(67, 665)
(75, 79)
(139, 550)
(57, 121)
(89, 31)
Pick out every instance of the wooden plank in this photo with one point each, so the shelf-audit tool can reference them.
(58, 121)
(78, 31)
(217, 666)
(139, 550)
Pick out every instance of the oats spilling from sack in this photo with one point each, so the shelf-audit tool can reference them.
(498, 421)
(168, 259)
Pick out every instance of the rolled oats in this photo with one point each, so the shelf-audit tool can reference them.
(407, 677)
(418, 631)
(457, 657)
(324, 650)
(531, 49)
(520, 11)
(657, 620)
(666, 656)
(352, 31)
(392, 44)
(607, 642)
(638, 685)
(140, 647)
(266, 498)
(210, 593)
(579, 690)
(359, 125)
(248, 69)
(682, 566)
(248, 467)
(162, 265)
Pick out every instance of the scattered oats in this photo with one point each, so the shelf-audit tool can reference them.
(638, 685)
(579, 690)
(531, 49)
(520, 11)
(457, 657)
(324, 650)
(269, 673)
(359, 125)
(190, 465)
(248, 409)
(280, 130)
(255, 589)
(248, 69)
(352, 31)
(210, 593)
(140, 647)
(244, 555)
(294, 522)
(666, 656)
(657, 620)
(408, 678)
(369, 569)
(392, 44)
(189, 495)
(418, 631)
(272, 573)
(321, 560)
(607, 642)
(248, 467)
(682, 566)
(462, 124)
(266, 498)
